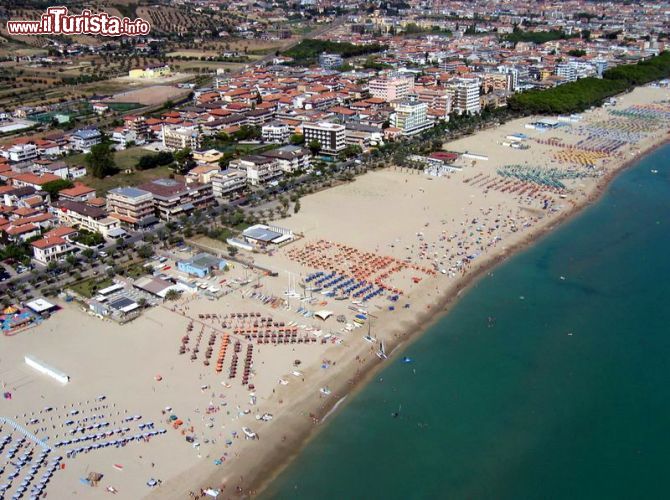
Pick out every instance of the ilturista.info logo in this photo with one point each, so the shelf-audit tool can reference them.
(57, 21)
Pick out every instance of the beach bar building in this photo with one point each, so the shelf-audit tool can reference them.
(263, 236)
(201, 265)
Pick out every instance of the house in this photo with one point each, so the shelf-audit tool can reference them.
(154, 71)
(23, 232)
(201, 265)
(207, 156)
(84, 139)
(33, 180)
(63, 170)
(83, 216)
(202, 174)
(79, 192)
(50, 249)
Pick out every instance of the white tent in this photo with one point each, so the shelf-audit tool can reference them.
(323, 314)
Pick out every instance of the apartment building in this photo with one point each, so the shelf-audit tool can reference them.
(465, 95)
(260, 169)
(21, 152)
(175, 138)
(566, 71)
(330, 61)
(438, 99)
(492, 82)
(290, 158)
(410, 117)
(136, 124)
(330, 136)
(174, 198)
(228, 182)
(276, 132)
(83, 216)
(391, 88)
(132, 206)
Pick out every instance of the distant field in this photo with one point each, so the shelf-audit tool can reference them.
(149, 96)
(193, 53)
(209, 65)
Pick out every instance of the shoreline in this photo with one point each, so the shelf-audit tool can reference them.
(262, 476)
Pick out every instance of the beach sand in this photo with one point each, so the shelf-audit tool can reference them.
(461, 224)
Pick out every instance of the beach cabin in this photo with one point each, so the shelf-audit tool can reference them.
(201, 265)
(42, 307)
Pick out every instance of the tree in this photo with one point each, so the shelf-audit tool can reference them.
(314, 146)
(232, 251)
(297, 139)
(172, 294)
(184, 159)
(145, 251)
(54, 187)
(296, 207)
(101, 161)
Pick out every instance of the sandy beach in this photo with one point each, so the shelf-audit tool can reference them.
(418, 240)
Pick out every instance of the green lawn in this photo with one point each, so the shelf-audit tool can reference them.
(125, 160)
(90, 286)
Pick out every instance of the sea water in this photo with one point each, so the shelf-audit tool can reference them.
(550, 378)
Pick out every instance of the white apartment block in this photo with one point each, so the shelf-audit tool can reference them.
(330, 135)
(277, 132)
(410, 117)
(567, 71)
(259, 169)
(466, 95)
(176, 138)
(225, 183)
(21, 152)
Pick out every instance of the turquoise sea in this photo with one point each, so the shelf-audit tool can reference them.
(516, 407)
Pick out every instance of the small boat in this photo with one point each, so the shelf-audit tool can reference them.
(654, 171)
(368, 337)
(249, 433)
(118, 466)
(325, 391)
(381, 353)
